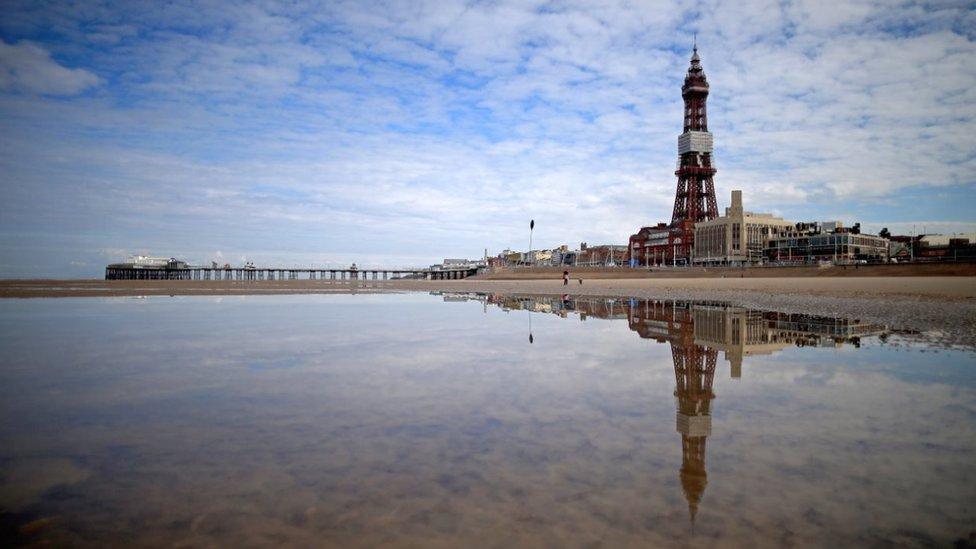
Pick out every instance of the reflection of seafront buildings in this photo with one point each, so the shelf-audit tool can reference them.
(736, 331)
(697, 331)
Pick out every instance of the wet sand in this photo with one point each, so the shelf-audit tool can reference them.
(943, 307)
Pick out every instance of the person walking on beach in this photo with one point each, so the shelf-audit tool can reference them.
(565, 278)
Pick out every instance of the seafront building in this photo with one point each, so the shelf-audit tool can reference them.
(825, 241)
(539, 257)
(736, 238)
(932, 247)
(564, 256)
(653, 246)
(945, 247)
(603, 255)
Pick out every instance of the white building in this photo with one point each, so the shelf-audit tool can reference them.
(146, 261)
(457, 264)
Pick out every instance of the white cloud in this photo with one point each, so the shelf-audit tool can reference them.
(921, 227)
(26, 67)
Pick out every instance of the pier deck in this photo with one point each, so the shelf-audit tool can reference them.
(130, 272)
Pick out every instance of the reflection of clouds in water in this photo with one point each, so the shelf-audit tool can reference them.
(25, 480)
(860, 457)
(402, 420)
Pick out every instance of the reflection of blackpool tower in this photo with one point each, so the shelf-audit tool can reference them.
(694, 370)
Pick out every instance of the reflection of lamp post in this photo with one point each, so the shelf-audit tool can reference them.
(530, 327)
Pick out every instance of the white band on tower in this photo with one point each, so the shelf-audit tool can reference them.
(695, 141)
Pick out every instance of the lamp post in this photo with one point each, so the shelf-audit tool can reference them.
(531, 228)
(911, 247)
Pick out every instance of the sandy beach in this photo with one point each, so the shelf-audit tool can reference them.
(941, 288)
(944, 308)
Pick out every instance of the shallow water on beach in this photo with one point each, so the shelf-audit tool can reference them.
(456, 420)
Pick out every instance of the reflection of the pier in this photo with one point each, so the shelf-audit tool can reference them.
(697, 331)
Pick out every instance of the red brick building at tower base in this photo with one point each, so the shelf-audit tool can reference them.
(694, 198)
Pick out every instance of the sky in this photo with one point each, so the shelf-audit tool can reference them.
(401, 133)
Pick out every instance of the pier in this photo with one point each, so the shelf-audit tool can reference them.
(126, 271)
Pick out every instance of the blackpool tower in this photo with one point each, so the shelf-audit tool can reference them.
(694, 199)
